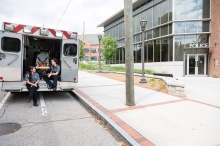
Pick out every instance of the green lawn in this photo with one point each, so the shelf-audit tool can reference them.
(95, 66)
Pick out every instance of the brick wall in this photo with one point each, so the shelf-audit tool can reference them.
(214, 52)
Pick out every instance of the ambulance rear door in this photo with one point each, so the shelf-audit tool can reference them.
(11, 56)
(69, 60)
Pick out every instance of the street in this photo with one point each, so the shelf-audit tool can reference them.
(59, 120)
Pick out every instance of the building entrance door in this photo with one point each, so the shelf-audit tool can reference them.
(196, 64)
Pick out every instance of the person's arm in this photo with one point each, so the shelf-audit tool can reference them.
(27, 80)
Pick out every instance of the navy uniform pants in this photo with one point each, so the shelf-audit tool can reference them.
(32, 92)
(47, 80)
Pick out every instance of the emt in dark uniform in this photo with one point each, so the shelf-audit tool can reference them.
(32, 80)
(53, 74)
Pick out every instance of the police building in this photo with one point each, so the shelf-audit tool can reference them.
(181, 36)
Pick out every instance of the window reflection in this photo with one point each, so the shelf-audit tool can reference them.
(191, 27)
(157, 51)
(150, 51)
(164, 50)
(179, 12)
(179, 45)
(179, 27)
(191, 9)
(190, 39)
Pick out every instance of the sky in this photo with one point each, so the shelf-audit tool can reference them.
(48, 13)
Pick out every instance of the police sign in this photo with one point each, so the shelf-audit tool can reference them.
(197, 45)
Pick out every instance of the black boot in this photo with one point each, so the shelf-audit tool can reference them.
(35, 104)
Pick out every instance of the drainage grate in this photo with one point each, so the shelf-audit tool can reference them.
(7, 128)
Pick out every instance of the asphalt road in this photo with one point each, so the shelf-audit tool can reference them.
(61, 122)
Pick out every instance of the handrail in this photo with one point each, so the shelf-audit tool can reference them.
(16, 57)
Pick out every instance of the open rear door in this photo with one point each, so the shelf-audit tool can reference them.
(11, 56)
(69, 60)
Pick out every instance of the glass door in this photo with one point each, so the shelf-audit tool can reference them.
(191, 63)
(196, 64)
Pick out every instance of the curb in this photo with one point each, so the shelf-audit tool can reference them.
(115, 130)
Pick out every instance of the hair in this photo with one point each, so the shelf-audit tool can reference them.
(29, 72)
(54, 59)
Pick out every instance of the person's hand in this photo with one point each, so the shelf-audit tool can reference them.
(35, 85)
(49, 74)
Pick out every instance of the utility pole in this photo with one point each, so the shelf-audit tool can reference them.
(129, 58)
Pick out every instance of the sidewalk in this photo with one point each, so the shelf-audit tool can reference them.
(157, 118)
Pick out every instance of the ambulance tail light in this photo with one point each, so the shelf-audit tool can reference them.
(73, 35)
(74, 79)
(1, 78)
(9, 27)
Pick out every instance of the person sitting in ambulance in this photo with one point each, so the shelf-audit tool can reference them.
(53, 74)
(42, 60)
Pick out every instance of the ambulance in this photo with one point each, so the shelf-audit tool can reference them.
(22, 46)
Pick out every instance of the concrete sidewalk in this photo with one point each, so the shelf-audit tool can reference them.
(157, 118)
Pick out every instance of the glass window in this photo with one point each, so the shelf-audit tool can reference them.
(164, 8)
(150, 51)
(164, 30)
(70, 50)
(156, 17)
(171, 49)
(203, 38)
(156, 32)
(164, 50)
(203, 9)
(179, 10)
(93, 50)
(179, 27)
(190, 39)
(86, 58)
(149, 18)
(203, 26)
(86, 50)
(170, 10)
(157, 51)
(93, 58)
(191, 27)
(149, 34)
(170, 29)
(179, 45)
(11, 44)
(191, 9)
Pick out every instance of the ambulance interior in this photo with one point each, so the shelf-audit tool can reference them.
(38, 52)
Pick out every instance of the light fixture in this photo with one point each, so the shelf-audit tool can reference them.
(27, 29)
(9, 27)
(73, 35)
(44, 31)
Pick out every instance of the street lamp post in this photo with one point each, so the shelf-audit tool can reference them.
(143, 24)
(100, 38)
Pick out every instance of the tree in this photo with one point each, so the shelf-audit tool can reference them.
(82, 53)
(109, 45)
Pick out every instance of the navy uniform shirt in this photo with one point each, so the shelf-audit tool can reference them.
(35, 77)
(55, 68)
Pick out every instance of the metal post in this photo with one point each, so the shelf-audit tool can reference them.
(129, 58)
(143, 26)
(99, 37)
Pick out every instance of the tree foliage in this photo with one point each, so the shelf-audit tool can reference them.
(109, 45)
(82, 53)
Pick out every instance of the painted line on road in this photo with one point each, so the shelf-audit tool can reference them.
(43, 106)
(4, 99)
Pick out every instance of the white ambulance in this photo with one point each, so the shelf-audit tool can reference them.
(22, 46)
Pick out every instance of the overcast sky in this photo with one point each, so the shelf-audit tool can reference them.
(49, 12)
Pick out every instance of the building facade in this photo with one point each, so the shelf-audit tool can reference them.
(181, 36)
(91, 47)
